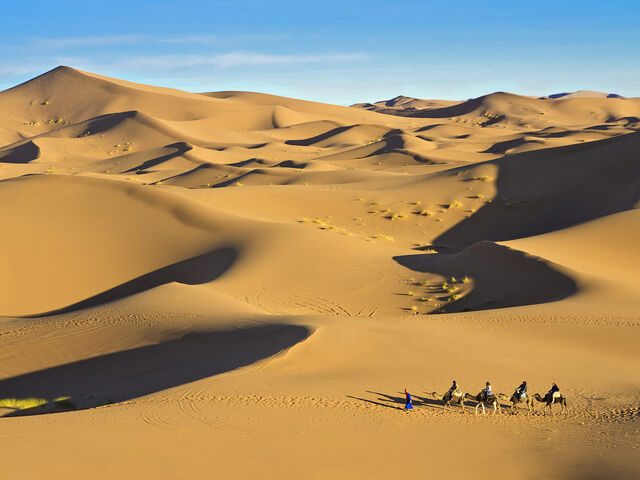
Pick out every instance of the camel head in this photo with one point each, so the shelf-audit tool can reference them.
(502, 396)
(434, 395)
(539, 398)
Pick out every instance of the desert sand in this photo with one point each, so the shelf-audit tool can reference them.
(236, 284)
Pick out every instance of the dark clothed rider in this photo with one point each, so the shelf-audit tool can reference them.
(453, 388)
(554, 389)
(521, 391)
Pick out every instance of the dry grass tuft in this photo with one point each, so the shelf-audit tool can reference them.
(483, 178)
(22, 403)
(64, 403)
(383, 237)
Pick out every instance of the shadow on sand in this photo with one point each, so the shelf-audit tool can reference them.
(128, 374)
(503, 277)
(193, 271)
(553, 188)
(398, 402)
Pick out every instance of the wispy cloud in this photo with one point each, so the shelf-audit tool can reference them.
(11, 69)
(172, 63)
(138, 38)
(168, 66)
(92, 41)
(207, 39)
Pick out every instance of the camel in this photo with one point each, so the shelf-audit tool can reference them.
(516, 399)
(450, 398)
(491, 400)
(548, 400)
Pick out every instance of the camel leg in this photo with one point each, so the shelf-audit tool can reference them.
(483, 410)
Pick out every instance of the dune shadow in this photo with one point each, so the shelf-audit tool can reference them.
(603, 469)
(549, 189)
(128, 374)
(106, 122)
(502, 147)
(23, 153)
(502, 277)
(323, 136)
(197, 270)
(180, 148)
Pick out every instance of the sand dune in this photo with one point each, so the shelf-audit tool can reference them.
(204, 274)
(402, 103)
(605, 247)
(582, 93)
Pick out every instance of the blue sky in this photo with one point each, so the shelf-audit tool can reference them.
(333, 51)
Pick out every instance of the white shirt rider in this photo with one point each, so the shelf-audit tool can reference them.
(487, 390)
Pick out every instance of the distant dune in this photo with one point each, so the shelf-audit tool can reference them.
(236, 284)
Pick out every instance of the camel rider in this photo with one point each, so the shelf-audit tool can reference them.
(487, 391)
(554, 392)
(521, 391)
(453, 388)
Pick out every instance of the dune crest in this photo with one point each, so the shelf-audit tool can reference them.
(450, 175)
(202, 274)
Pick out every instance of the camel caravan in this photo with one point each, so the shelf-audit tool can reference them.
(486, 397)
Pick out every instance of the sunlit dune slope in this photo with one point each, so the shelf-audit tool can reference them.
(202, 274)
(309, 192)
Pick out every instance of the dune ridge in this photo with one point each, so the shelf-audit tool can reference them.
(488, 184)
(202, 274)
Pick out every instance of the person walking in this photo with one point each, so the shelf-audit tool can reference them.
(409, 404)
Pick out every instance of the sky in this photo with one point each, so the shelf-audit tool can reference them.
(340, 52)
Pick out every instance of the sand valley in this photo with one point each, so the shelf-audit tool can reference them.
(236, 284)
